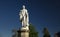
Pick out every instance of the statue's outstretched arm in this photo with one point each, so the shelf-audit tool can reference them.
(20, 16)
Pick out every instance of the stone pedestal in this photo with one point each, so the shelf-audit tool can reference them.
(23, 32)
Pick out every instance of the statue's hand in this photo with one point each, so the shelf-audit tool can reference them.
(20, 20)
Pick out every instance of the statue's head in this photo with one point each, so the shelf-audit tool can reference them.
(23, 6)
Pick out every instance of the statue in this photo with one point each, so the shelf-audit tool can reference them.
(24, 18)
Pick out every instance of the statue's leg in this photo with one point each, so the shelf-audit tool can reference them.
(22, 23)
(27, 21)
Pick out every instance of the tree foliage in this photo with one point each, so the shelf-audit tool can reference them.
(46, 33)
(33, 32)
(57, 34)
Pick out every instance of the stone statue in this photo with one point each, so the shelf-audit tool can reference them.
(24, 18)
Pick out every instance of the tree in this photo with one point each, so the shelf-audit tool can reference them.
(46, 33)
(57, 34)
(33, 32)
(15, 34)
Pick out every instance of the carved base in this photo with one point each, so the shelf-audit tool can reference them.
(23, 32)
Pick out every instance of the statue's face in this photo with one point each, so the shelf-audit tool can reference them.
(23, 7)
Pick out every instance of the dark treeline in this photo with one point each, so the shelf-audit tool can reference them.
(33, 32)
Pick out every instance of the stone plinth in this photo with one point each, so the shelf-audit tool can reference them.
(23, 32)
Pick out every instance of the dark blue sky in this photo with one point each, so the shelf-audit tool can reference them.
(42, 13)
